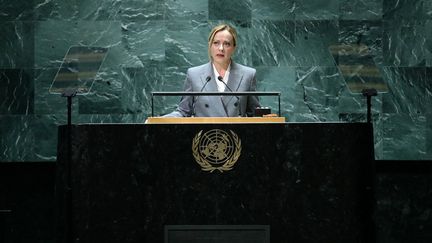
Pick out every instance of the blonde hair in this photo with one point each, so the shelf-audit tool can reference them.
(218, 28)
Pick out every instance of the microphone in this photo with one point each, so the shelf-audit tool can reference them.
(207, 80)
(238, 99)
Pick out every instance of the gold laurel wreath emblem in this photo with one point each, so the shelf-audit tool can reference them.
(207, 165)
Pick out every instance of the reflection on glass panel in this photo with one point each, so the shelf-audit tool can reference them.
(356, 65)
(78, 70)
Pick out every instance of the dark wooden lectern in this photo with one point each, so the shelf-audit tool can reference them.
(299, 182)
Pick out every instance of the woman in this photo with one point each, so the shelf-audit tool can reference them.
(220, 74)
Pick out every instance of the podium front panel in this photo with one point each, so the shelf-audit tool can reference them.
(308, 182)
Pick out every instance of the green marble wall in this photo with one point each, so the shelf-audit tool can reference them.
(152, 43)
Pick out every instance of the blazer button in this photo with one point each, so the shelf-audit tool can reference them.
(236, 104)
(206, 105)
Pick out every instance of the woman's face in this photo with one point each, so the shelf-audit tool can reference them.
(222, 48)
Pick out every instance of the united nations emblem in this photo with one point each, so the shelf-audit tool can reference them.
(216, 150)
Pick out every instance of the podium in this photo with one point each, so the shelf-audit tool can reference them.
(290, 182)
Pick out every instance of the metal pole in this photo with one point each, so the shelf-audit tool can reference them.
(279, 105)
(152, 109)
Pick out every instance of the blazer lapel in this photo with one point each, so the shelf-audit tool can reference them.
(234, 81)
(235, 77)
(215, 101)
(208, 71)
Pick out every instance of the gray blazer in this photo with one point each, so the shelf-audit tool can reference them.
(241, 78)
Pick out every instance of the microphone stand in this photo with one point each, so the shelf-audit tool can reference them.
(195, 100)
(238, 99)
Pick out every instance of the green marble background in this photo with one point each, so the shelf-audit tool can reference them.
(152, 43)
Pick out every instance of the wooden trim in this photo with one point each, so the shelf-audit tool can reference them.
(193, 120)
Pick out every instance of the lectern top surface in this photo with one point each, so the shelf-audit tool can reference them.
(192, 120)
